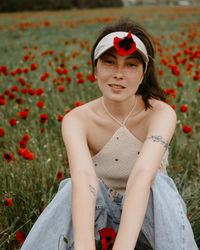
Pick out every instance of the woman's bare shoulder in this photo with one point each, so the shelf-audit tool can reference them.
(159, 105)
(83, 114)
(162, 116)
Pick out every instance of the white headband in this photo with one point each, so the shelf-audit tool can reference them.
(107, 42)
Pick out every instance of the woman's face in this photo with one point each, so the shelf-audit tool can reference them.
(124, 71)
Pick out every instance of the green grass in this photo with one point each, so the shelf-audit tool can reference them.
(32, 184)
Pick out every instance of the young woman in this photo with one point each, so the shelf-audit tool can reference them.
(117, 148)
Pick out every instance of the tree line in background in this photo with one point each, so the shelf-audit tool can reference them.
(22, 5)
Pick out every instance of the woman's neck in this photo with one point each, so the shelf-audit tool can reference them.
(120, 109)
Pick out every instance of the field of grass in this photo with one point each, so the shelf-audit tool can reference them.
(45, 71)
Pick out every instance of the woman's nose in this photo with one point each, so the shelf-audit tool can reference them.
(118, 74)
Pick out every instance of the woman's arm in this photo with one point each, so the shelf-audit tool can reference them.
(84, 181)
(160, 131)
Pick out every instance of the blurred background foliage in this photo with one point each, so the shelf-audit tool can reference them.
(36, 5)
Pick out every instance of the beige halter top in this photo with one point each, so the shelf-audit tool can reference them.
(115, 161)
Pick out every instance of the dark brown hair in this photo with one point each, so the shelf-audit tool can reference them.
(149, 88)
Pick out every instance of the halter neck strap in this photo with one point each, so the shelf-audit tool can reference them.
(121, 123)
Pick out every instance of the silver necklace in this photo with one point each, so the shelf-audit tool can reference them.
(123, 123)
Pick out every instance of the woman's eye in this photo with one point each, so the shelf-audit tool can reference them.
(131, 64)
(109, 61)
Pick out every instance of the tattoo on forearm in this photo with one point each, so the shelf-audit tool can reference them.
(159, 139)
(92, 189)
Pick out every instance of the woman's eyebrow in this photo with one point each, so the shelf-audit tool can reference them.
(132, 56)
(112, 55)
(108, 54)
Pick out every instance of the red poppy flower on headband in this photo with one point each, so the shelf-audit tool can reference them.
(125, 46)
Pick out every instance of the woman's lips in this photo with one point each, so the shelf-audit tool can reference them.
(116, 86)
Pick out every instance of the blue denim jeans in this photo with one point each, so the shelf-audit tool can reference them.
(165, 226)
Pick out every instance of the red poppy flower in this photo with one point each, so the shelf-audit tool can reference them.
(42, 130)
(173, 107)
(160, 72)
(19, 71)
(65, 71)
(61, 89)
(26, 58)
(80, 81)
(43, 118)
(40, 104)
(43, 78)
(22, 143)
(196, 77)
(26, 137)
(55, 79)
(25, 70)
(169, 91)
(107, 236)
(21, 80)
(173, 95)
(75, 67)
(31, 92)
(199, 90)
(20, 236)
(19, 100)
(33, 66)
(14, 88)
(1, 132)
(2, 97)
(12, 122)
(2, 101)
(66, 42)
(91, 78)
(46, 74)
(62, 65)
(39, 92)
(7, 157)
(51, 52)
(59, 175)
(23, 114)
(66, 112)
(24, 91)
(76, 104)
(11, 96)
(79, 75)
(183, 108)
(13, 73)
(69, 79)
(8, 202)
(26, 153)
(62, 79)
(163, 61)
(176, 72)
(186, 129)
(4, 70)
(59, 71)
(180, 84)
(21, 151)
(6, 92)
(167, 100)
(60, 118)
(125, 46)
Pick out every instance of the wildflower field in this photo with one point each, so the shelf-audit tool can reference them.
(45, 71)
